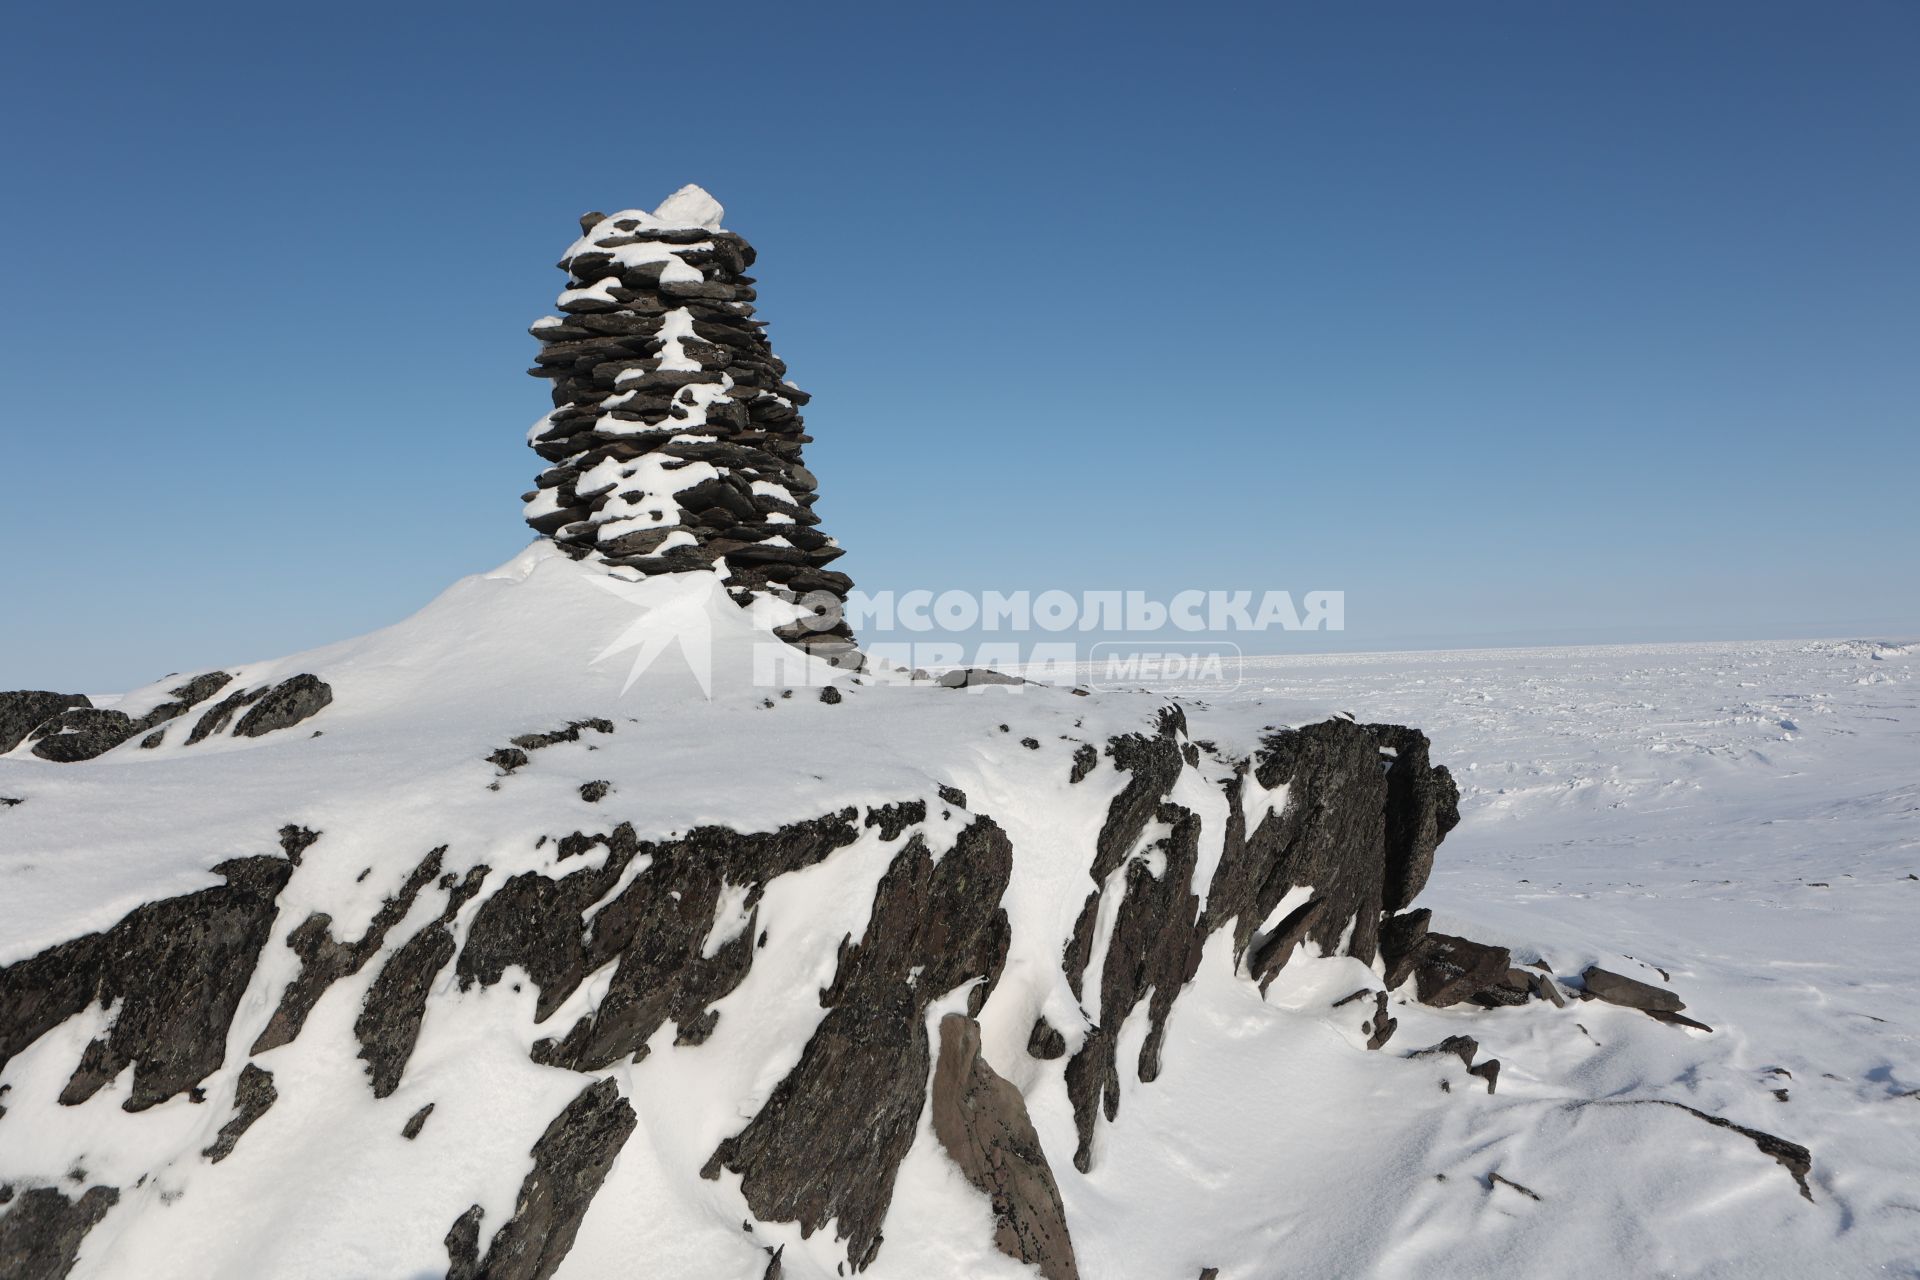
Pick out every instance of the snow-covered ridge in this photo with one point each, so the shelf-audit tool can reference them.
(808, 862)
(374, 888)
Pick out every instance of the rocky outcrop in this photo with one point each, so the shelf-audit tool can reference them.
(251, 1098)
(24, 710)
(1614, 988)
(982, 1122)
(828, 1144)
(264, 709)
(284, 705)
(173, 973)
(667, 928)
(570, 1161)
(41, 1231)
(67, 728)
(675, 441)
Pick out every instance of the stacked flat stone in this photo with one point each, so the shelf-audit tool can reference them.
(675, 441)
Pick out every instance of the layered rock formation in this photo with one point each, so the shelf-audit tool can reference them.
(675, 441)
(827, 1145)
(66, 728)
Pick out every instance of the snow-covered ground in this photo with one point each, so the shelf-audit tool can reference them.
(1744, 816)
(1741, 816)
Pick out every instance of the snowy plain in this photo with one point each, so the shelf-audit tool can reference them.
(1746, 818)
(1743, 817)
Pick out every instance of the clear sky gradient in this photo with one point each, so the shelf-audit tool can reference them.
(1517, 322)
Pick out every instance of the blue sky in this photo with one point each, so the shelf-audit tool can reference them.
(1519, 323)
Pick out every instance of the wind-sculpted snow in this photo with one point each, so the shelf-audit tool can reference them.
(508, 1025)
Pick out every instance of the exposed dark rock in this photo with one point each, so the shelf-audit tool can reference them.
(828, 1143)
(1793, 1157)
(24, 710)
(216, 718)
(1085, 760)
(1463, 1047)
(507, 759)
(656, 930)
(389, 1021)
(1673, 1019)
(982, 1122)
(1423, 804)
(1488, 1071)
(570, 1161)
(1045, 1041)
(174, 970)
(1448, 970)
(41, 1232)
(252, 1095)
(1629, 992)
(1400, 936)
(1497, 1180)
(830, 695)
(1380, 1027)
(324, 960)
(894, 819)
(295, 841)
(596, 791)
(953, 796)
(976, 678)
(201, 687)
(81, 733)
(286, 704)
(1270, 955)
(416, 1122)
(540, 741)
(1154, 947)
(1330, 835)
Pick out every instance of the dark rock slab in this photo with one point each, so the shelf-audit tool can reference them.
(982, 1122)
(1154, 948)
(41, 1232)
(1085, 760)
(1462, 1047)
(389, 1021)
(570, 1161)
(1423, 804)
(416, 1122)
(201, 687)
(285, 705)
(1448, 970)
(174, 972)
(24, 710)
(1330, 835)
(325, 960)
(828, 1144)
(216, 718)
(252, 1095)
(1630, 993)
(655, 931)
(894, 819)
(1270, 954)
(1794, 1158)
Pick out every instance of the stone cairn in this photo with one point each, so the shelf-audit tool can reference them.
(675, 439)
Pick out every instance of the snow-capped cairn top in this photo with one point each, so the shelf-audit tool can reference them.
(675, 441)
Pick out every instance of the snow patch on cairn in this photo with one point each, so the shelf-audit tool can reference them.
(675, 440)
